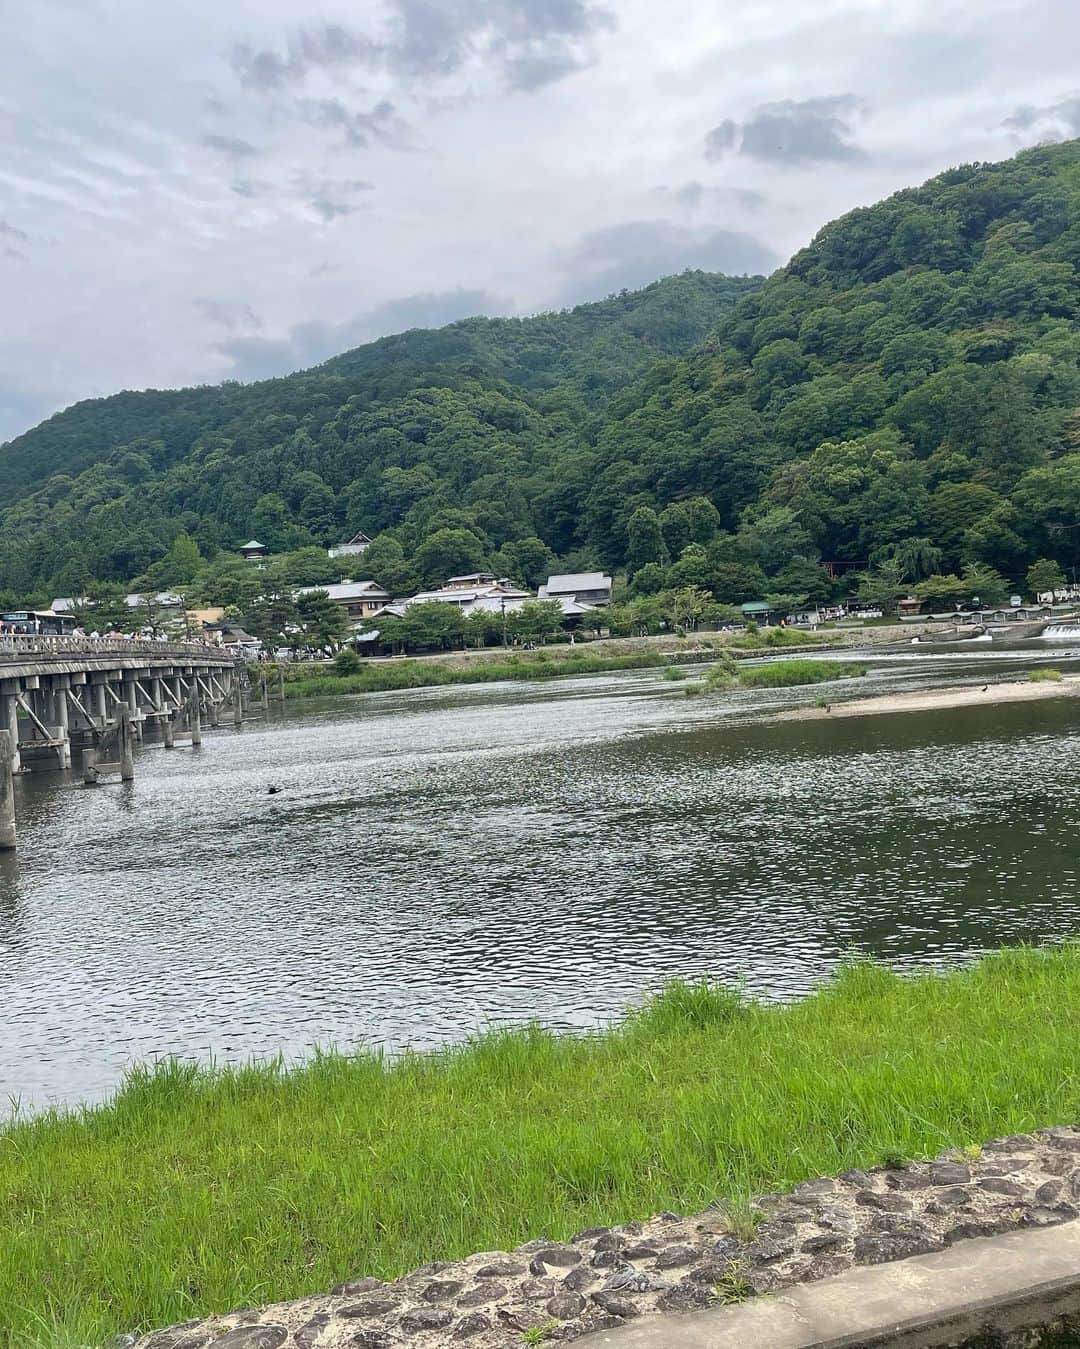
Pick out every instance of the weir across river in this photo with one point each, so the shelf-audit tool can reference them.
(60, 693)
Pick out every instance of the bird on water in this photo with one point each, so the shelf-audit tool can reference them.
(272, 791)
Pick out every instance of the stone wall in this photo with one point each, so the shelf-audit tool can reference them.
(608, 1276)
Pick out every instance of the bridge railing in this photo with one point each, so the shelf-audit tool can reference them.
(21, 645)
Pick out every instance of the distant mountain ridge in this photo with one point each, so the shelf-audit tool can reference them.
(905, 391)
(594, 347)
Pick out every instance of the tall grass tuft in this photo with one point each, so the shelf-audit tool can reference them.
(782, 674)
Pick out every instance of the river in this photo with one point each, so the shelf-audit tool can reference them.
(443, 860)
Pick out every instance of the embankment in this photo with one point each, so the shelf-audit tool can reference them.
(195, 1191)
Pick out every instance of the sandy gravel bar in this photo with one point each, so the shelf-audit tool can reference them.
(930, 700)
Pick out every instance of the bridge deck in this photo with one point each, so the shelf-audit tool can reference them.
(25, 656)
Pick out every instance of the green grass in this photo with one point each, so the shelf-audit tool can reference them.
(773, 637)
(1045, 676)
(389, 676)
(782, 674)
(196, 1191)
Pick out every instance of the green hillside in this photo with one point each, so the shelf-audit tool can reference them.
(100, 490)
(904, 396)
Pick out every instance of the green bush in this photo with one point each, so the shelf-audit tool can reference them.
(784, 674)
(1046, 676)
(347, 662)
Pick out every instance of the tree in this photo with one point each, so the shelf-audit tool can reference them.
(1045, 578)
(675, 527)
(318, 512)
(686, 608)
(644, 542)
(272, 618)
(106, 610)
(738, 582)
(433, 623)
(884, 585)
(272, 523)
(649, 580)
(448, 552)
(915, 558)
(943, 591)
(181, 563)
(324, 622)
(536, 620)
(383, 561)
(529, 561)
(704, 520)
(989, 585)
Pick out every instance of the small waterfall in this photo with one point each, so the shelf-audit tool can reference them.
(1061, 632)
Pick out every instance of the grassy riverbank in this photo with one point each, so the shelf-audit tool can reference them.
(550, 663)
(195, 1191)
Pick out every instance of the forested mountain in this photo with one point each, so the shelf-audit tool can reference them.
(425, 417)
(904, 395)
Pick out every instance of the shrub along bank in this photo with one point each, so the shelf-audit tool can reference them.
(349, 674)
(196, 1190)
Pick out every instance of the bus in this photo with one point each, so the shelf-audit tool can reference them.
(37, 623)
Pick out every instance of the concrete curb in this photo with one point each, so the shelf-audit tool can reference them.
(1002, 1284)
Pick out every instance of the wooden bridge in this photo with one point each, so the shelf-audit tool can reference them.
(92, 693)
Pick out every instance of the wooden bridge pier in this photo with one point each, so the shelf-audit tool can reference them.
(58, 694)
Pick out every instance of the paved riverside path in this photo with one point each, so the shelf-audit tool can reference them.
(991, 1286)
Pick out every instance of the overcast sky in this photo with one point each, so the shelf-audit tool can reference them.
(238, 188)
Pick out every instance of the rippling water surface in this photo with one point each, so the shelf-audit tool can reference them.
(443, 860)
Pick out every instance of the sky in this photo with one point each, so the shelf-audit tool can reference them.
(210, 191)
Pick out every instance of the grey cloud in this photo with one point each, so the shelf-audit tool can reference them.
(8, 231)
(327, 209)
(694, 195)
(230, 145)
(14, 255)
(227, 314)
(330, 199)
(360, 128)
(531, 43)
(638, 252)
(250, 187)
(309, 344)
(307, 49)
(534, 42)
(790, 132)
(1058, 121)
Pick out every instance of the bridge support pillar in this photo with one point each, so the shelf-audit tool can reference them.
(9, 722)
(63, 726)
(131, 697)
(97, 704)
(8, 750)
(127, 746)
(195, 712)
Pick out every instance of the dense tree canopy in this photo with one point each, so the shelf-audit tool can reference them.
(902, 399)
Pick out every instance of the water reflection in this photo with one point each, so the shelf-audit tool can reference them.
(448, 859)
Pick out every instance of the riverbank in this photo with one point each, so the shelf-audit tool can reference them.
(933, 700)
(552, 662)
(196, 1191)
